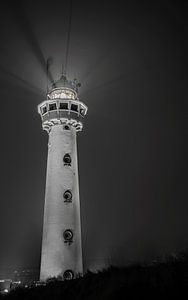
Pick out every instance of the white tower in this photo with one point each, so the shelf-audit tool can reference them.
(62, 115)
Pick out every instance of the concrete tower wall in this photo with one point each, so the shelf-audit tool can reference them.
(58, 256)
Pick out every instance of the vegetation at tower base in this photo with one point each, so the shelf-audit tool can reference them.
(160, 279)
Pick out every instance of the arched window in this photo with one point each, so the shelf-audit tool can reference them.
(67, 160)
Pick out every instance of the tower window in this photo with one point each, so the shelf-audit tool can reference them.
(74, 107)
(68, 236)
(67, 160)
(67, 196)
(52, 106)
(63, 105)
(68, 275)
(82, 112)
(66, 127)
(44, 110)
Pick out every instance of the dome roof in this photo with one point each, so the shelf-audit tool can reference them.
(64, 82)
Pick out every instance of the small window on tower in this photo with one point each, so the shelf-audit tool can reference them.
(68, 236)
(68, 275)
(63, 105)
(74, 107)
(66, 127)
(67, 196)
(67, 160)
(52, 106)
(43, 110)
(82, 111)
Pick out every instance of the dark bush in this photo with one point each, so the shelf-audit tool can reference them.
(167, 278)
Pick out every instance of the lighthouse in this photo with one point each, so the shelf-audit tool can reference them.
(62, 117)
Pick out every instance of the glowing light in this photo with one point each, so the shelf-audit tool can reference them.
(62, 93)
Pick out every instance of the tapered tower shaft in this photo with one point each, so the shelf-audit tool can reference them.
(61, 243)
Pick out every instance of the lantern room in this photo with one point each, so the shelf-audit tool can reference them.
(62, 105)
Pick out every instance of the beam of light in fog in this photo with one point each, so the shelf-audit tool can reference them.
(105, 84)
(20, 16)
(96, 64)
(35, 89)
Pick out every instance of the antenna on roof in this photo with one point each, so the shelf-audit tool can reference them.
(63, 70)
(68, 37)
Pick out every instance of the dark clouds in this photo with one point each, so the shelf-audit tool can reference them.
(132, 62)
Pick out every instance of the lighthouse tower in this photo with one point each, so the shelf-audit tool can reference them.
(62, 114)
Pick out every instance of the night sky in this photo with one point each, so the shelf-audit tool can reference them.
(131, 58)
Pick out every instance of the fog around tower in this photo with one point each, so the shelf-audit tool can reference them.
(131, 60)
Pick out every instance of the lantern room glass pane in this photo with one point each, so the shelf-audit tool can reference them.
(74, 107)
(62, 94)
(82, 111)
(63, 105)
(43, 109)
(52, 106)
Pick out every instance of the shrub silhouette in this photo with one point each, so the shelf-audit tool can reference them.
(167, 278)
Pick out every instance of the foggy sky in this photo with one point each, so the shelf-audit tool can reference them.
(131, 59)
